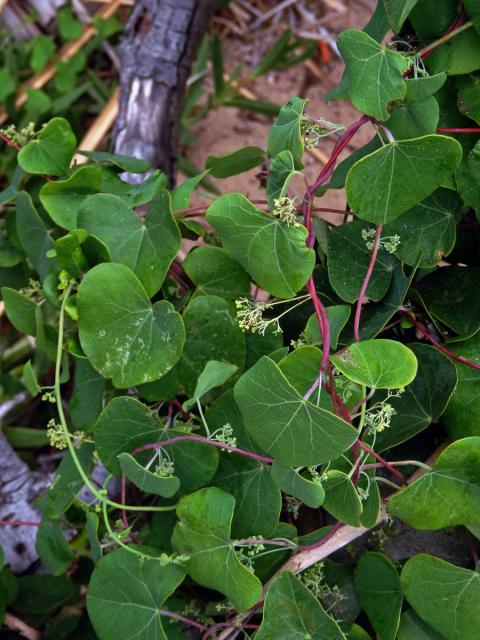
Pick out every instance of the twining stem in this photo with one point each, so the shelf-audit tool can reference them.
(458, 130)
(63, 423)
(213, 443)
(445, 38)
(399, 463)
(363, 290)
(383, 462)
(9, 142)
(423, 330)
(180, 618)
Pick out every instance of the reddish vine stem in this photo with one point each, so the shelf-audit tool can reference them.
(423, 330)
(9, 142)
(384, 462)
(323, 540)
(458, 130)
(213, 443)
(180, 618)
(363, 290)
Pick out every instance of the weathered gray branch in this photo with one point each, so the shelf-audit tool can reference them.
(162, 37)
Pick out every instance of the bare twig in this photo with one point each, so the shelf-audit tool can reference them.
(14, 623)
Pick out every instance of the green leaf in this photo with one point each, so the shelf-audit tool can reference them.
(203, 533)
(411, 626)
(126, 594)
(423, 401)
(33, 235)
(123, 335)
(427, 231)
(8, 84)
(214, 272)
(462, 415)
(214, 374)
(146, 246)
(68, 24)
(291, 612)
(295, 484)
(145, 480)
(40, 597)
(30, 379)
(9, 255)
(451, 298)
(257, 498)
(374, 74)
(285, 133)
(432, 20)
(379, 364)
(52, 152)
(380, 593)
(281, 171)
(70, 254)
(67, 482)
(62, 199)
(473, 9)
(21, 311)
(119, 161)
(126, 424)
(423, 87)
(452, 605)
(236, 162)
(469, 97)
(341, 498)
(338, 316)
(284, 424)
(446, 496)
(181, 195)
(397, 12)
(42, 50)
(273, 253)
(204, 317)
(376, 184)
(52, 547)
(86, 400)
(348, 260)
(414, 119)
(458, 56)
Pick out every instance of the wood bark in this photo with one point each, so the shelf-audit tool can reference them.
(162, 37)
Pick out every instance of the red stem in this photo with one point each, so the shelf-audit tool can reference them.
(323, 324)
(458, 130)
(213, 443)
(386, 464)
(363, 290)
(9, 142)
(180, 618)
(423, 330)
(323, 540)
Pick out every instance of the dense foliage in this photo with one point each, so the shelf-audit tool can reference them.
(264, 402)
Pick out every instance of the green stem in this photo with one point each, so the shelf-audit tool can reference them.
(58, 397)
(444, 38)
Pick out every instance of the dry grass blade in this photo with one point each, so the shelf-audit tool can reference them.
(65, 53)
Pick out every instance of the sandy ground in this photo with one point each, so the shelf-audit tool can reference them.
(227, 129)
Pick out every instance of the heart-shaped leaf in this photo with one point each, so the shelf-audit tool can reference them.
(341, 498)
(203, 533)
(379, 364)
(374, 74)
(291, 482)
(214, 374)
(123, 335)
(285, 133)
(236, 162)
(453, 604)
(380, 593)
(215, 273)
(146, 246)
(52, 152)
(376, 184)
(291, 612)
(126, 594)
(446, 496)
(273, 253)
(62, 199)
(397, 12)
(285, 425)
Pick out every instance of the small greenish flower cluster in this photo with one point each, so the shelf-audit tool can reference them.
(165, 468)
(248, 553)
(379, 416)
(389, 243)
(49, 396)
(192, 610)
(313, 578)
(284, 209)
(33, 290)
(249, 316)
(317, 476)
(20, 137)
(314, 130)
(293, 506)
(56, 436)
(64, 280)
(225, 435)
